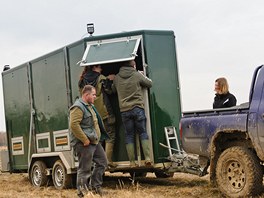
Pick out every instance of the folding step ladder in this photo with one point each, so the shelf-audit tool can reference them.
(181, 161)
(171, 137)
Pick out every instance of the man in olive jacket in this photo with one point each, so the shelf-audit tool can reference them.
(86, 129)
(129, 84)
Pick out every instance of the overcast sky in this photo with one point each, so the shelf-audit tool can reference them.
(213, 38)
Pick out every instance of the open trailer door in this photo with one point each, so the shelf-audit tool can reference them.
(110, 51)
(111, 54)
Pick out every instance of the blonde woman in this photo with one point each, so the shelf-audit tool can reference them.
(223, 98)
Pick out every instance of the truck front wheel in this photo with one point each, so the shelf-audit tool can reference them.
(238, 172)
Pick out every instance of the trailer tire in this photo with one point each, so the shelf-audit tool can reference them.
(137, 174)
(239, 173)
(38, 175)
(60, 178)
(162, 174)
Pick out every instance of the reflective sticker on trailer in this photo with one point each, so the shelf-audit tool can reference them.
(17, 146)
(61, 140)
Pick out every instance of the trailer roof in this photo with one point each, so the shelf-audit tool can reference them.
(96, 38)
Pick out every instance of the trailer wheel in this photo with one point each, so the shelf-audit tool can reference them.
(162, 174)
(238, 172)
(138, 174)
(38, 175)
(60, 178)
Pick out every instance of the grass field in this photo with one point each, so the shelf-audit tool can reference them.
(116, 186)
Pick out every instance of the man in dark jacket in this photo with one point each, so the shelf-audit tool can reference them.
(129, 84)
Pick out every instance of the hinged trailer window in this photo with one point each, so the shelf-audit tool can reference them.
(110, 51)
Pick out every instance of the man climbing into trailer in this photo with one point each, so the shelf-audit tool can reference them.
(92, 75)
(86, 129)
(129, 84)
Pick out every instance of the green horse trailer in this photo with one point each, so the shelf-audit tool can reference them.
(38, 94)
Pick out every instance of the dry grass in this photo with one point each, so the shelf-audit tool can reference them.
(116, 186)
(3, 148)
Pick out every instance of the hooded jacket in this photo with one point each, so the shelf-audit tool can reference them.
(129, 85)
(101, 102)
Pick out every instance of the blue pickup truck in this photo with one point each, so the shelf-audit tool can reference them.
(230, 141)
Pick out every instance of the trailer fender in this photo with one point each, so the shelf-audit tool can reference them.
(49, 159)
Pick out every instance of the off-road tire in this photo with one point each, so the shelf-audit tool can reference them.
(37, 174)
(239, 173)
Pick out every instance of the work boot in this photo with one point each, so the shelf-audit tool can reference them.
(146, 151)
(80, 194)
(99, 191)
(131, 154)
(109, 147)
(83, 190)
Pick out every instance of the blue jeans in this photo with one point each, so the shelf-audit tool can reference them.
(86, 155)
(134, 121)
